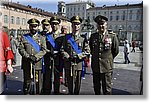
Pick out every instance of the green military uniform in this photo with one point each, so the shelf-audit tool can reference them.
(104, 48)
(47, 75)
(55, 52)
(73, 61)
(27, 51)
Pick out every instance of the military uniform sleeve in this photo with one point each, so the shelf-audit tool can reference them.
(21, 48)
(115, 46)
(43, 51)
(90, 43)
(85, 49)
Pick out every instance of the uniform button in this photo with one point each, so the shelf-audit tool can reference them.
(99, 58)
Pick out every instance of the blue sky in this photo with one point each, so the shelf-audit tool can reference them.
(51, 5)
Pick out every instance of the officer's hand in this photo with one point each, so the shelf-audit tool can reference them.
(65, 55)
(55, 53)
(81, 55)
(33, 58)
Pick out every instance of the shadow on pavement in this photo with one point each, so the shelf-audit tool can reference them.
(120, 92)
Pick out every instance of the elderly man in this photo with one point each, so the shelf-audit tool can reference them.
(104, 48)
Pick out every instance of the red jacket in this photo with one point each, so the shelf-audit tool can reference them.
(5, 51)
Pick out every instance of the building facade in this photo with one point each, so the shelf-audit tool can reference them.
(14, 16)
(78, 8)
(125, 20)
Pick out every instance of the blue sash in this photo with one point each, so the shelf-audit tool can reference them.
(73, 44)
(52, 41)
(36, 46)
(77, 50)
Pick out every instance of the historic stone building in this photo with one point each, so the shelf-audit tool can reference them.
(14, 16)
(125, 20)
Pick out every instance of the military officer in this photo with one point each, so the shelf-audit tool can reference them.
(55, 41)
(47, 75)
(74, 53)
(104, 48)
(32, 48)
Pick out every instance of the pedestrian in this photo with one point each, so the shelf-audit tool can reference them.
(32, 48)
(126, 52)
(133, 46)
(104, 48)
(6, 58)
(74, 54)
(13, 43)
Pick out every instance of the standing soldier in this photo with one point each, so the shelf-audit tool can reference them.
(54, 44)
(47, 75)
(104, 48)
(74, 48)
(32, 48)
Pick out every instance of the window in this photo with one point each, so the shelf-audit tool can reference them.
(111, 18)
(130, 11)
(5, 19)
(74, 8)
(129, 27)
(116, 27)
(12, 21)
(123, 17)
(123, 27)
(18, 20)
(93, 17)
(110, 27)
(83, 7)
(138, 15)
(130, 17)
(136, 27)
(23, 21)
(117, 18)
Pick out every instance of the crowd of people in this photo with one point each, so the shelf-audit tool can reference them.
(46, 53)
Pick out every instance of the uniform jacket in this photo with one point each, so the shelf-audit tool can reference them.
(82, 44)
(5, 51)
(103, 54)
(26, 49)
(50, 54)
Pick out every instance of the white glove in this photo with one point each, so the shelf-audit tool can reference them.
(81, 55)
(66, 55)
